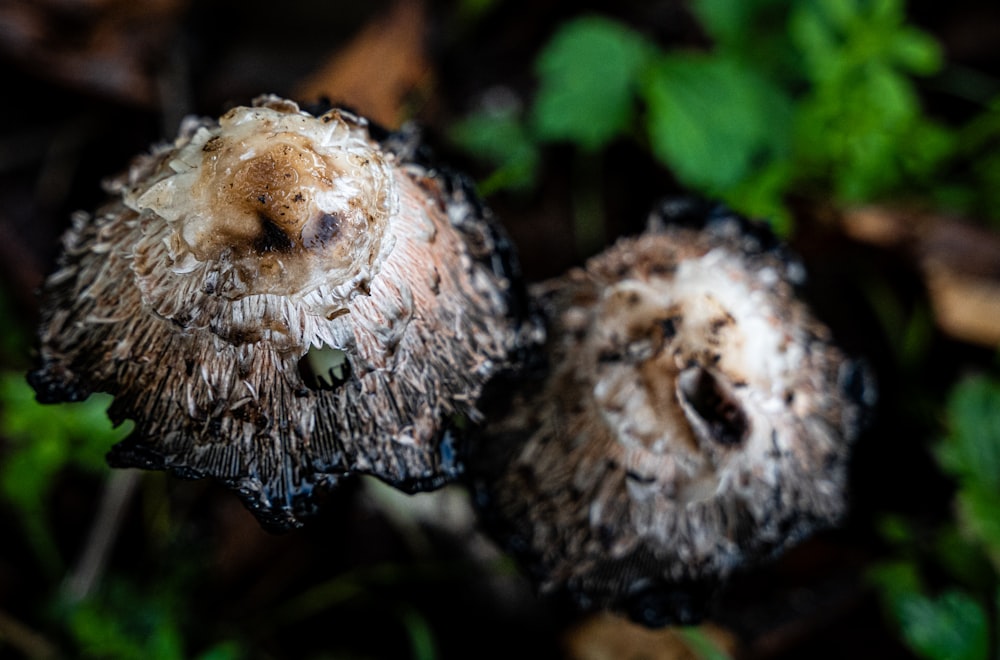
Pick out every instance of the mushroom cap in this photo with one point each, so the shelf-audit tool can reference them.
(694, 417)
(279, 300)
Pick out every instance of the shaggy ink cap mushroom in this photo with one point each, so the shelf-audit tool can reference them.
(279, 300)
(695, 417)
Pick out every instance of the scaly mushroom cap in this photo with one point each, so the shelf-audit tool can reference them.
(277, 300)
(694, 417)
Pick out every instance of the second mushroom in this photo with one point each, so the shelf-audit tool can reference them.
(693, 418)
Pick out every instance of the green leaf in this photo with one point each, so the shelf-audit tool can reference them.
(815, 41)
(700, 644)
(762, 195)
(712, 120)
(916, 51)
(120, 622)
(895, 529)
(962, 557)
(500, 138)
(971, 454)
(419, 631)
(41, 441)
(952, 626)
(45, 439)
(725, 20)
(895, 94)
(977, 509)
(896, 581)
(587, 78)
(842, 14)
(972, 450)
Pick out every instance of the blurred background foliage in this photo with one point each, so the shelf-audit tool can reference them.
(795, 97)
(576, 117)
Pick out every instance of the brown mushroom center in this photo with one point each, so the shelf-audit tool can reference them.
(267, 203)
(285, 212)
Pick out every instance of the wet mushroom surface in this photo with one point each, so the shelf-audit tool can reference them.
(278, 300)
(693, 417)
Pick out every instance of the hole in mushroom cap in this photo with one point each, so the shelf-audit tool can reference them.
(710, 407)
(324, 368)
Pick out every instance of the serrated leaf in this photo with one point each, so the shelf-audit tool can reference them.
(587, 78)
(711, 119)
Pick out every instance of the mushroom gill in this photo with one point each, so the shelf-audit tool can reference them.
(694, 417)
(231, 263)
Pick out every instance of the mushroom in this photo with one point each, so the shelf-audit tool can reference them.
(279, 300)
(694, 417)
